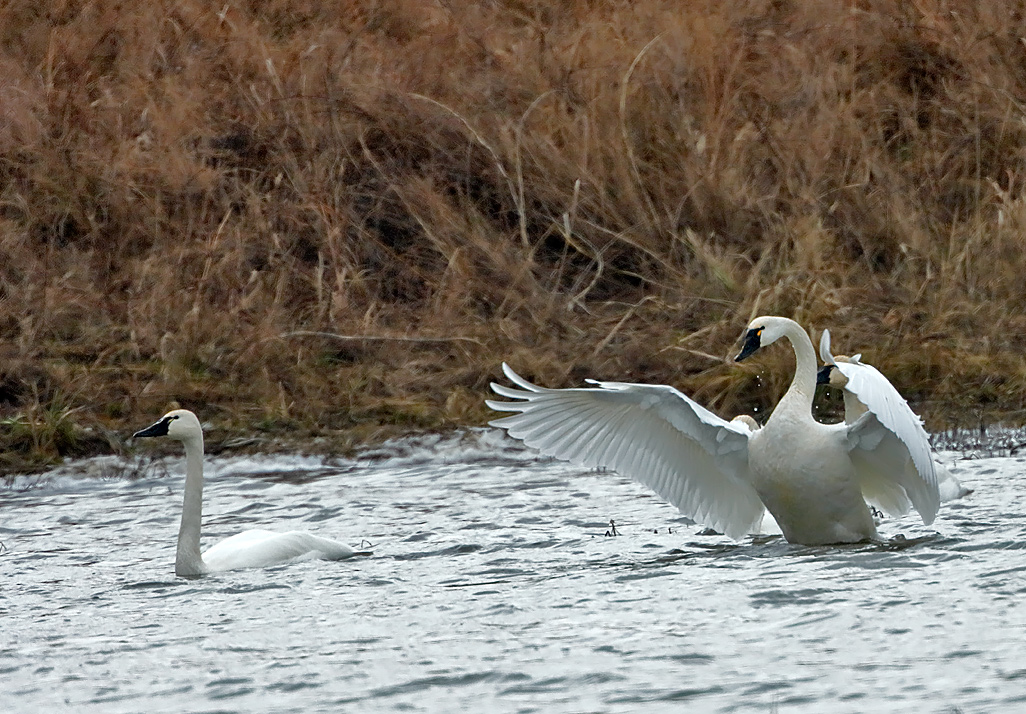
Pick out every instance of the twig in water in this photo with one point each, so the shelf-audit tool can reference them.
(612, 529)
(365, 546)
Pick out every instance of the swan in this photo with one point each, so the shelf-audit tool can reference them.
(720, 473)
(864, 389)
(249, 549)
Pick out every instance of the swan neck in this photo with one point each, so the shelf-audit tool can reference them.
(803, 386)
(853, 408)
(188, 560)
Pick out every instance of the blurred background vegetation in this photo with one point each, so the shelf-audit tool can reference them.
(305, 219)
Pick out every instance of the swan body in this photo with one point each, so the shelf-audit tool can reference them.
(864, 389)
(249, 549)
(722, 473)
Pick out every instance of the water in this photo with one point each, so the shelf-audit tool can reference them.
(493, 588)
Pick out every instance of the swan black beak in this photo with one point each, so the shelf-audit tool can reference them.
(753, 341)
(823, 375)
(158, 429)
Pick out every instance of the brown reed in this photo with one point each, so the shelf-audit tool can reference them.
(336, 219)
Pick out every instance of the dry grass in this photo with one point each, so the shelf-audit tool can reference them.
(606, 189)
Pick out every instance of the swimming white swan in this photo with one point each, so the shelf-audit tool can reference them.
(721, 473)
(864, 389)
(249, 549)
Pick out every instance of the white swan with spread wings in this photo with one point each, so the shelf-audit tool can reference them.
(721, 473)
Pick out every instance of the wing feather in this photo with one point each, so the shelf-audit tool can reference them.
(892, 450)
(880, 397)
(611, 446)
(879, 455)
(652, 433)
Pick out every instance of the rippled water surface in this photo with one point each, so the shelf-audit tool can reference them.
(493, 588)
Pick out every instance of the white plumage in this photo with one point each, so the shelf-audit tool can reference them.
(249, 549)
(653, 433)
(721, 473)
(865, 388)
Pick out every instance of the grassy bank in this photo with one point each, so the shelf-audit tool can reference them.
(300, 220)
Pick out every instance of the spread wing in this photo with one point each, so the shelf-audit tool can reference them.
(882, 399)
(883, 461)
(652, 433)
(892, 412)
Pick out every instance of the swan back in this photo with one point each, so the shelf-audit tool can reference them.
(260, 549)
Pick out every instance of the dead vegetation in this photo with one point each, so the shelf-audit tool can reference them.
(230, 206)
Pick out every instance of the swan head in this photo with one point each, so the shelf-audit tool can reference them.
(762, 331)
(178, 424)
(747, 421)
(829, 373)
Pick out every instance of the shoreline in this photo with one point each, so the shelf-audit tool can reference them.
(995, 439)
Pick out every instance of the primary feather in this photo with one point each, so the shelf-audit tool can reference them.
(653, 433)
